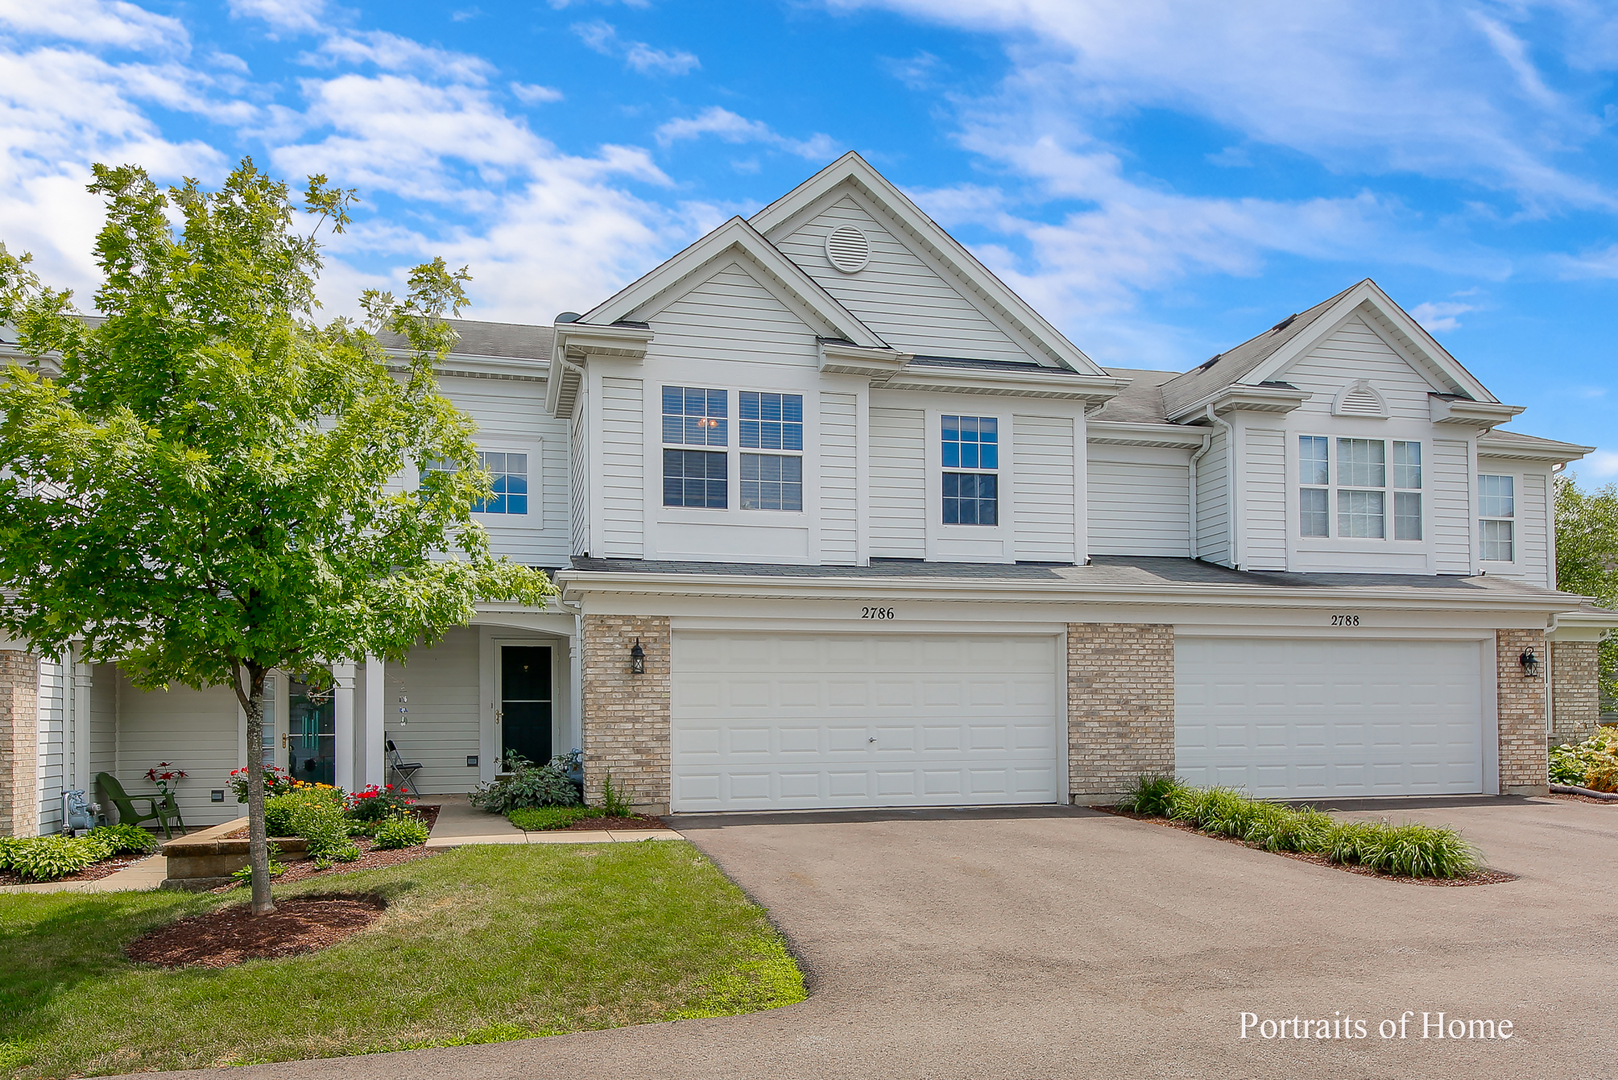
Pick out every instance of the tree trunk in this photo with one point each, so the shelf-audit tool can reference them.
(258, 844)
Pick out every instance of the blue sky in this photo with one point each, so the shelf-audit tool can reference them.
(1162, 180)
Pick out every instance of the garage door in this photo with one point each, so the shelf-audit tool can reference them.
(765, 721)
(1306, 718)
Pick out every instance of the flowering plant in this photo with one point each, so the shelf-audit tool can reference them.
(376, 803)
(277, 781)
(162, 774)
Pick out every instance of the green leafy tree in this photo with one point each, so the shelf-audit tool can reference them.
(196, 484)
(1587, 560)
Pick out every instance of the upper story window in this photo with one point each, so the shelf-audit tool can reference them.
(695, 417)
(509, 475)
(971, 443)
(1363, 489)
(771, 422)
(1497, 508)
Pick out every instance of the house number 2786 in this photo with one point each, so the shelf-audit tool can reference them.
(876, 613)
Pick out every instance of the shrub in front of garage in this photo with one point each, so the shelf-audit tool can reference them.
(1412, 849)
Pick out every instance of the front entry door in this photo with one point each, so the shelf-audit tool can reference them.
(525, 702)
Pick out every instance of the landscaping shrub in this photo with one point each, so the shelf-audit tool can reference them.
(46, 858)
(279, 809)
(1591, 764)
(1411, 849)
(320, 820)
(277, 868)
(277, 781)
(125, 839)
(614, 800)
(543, 818)
(379, 803)
(529, 785)
(401, 831)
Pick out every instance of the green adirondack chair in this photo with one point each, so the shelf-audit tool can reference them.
(161, 807)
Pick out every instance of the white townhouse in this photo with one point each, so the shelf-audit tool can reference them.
(840, 521)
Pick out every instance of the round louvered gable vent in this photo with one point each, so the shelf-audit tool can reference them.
(848, 249)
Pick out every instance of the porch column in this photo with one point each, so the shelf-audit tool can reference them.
(83, 680)
(343, 725)
(19, 743)
(376, 718)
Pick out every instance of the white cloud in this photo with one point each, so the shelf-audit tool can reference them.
(95, 22)
(532, 94)
(1602, 463)
(391, 52)
(296, 15)
(1592, 392)
(1231, 157)
(1600, 263)
(1440, 315)
(732, 128)
(603, 38)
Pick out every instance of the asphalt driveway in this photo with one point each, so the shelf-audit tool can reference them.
(1067, 943)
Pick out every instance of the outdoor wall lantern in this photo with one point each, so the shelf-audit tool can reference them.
(637, 659)
(1529, 662)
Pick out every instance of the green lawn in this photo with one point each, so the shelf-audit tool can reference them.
(480, 944)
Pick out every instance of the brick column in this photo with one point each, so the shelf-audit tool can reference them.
(19, 743)
(1120, 707)
(1523, 764)
(626, 716)
(1575, 693)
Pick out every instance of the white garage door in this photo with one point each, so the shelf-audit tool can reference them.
(762, 721)
(1291, 718)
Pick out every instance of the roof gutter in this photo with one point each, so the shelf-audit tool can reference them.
(1207, 442)
(1230, 481)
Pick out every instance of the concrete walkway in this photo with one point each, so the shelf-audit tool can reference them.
(459, 822)
(1059, 942)
(144, 875)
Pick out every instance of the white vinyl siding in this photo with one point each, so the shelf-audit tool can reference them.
(898, 473)
(732, 317)
(623, 479)
(1355, 351)
(194, 730)
(581, 482)
(1265, 536)
(443, 687)
(52, 748)
(898, 294)
(839, 479)
(1450, 506)
(103, 721)
(1044, 499)
(1213, 503)
(1533, 554)
(1137, 507)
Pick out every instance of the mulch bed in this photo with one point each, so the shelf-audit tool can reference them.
(229, 935)
(1580, 798)
(93, 872)
(297, 869)
(622, 824)
(1484, 876)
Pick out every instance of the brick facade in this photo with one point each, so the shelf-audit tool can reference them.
(626, 716)
(1120, 706)
(1575, 696)
(1522, 714)
(19, 743)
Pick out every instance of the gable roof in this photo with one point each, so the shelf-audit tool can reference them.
(1264, 358)
(975, 279)
(735, 237)
(475, 337)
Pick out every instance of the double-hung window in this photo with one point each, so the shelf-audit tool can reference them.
(1362, 490)
(508, 473)
(1497, 509)
(971, 459)
(695, 417)
(773, 422)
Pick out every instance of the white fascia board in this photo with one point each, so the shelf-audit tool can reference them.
(1584, 624)
(737, 235)
(878, 365)
(1037, 382)
(489, 367)
(578, 584)
(938, 242)
(579, 341)
(1243, 397)
(1119, 433)
(1393, 318)
(1555, 453)
(1483, 414)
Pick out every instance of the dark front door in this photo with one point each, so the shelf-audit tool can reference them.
(311, 734)
(525, 702)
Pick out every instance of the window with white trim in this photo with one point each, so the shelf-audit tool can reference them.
(508, 474)
(693, 416)
(1354, 499)
(768, 421)
(1497, 511)
(971, 459)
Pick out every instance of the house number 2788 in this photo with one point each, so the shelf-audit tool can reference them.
(876, 613)
(1345, 620)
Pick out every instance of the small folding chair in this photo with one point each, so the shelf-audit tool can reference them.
(404, 771)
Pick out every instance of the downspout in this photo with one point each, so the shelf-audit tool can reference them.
(1230, 481)
(1196, 545)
